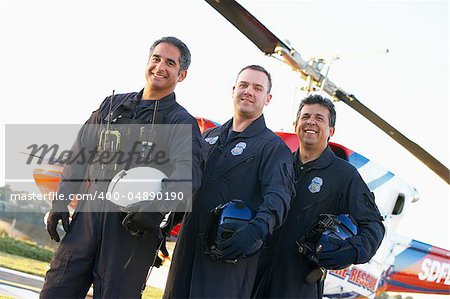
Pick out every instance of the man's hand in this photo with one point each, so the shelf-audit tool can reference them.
(52, 222)
(342, 257)
(243, 242)
(140, 219)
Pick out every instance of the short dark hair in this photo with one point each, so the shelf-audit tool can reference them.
(318, 99)
(259, 69)
(185, 54)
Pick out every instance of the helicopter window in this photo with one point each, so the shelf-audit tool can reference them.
(399, 204)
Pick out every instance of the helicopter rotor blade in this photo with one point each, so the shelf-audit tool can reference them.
(265, 40)
(437, 167)
(269, 44)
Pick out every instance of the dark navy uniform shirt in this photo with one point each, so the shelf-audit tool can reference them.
(131, 108)
(253, 166)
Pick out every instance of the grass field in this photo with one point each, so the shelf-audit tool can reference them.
(23, 264)
(27, 257)
(39, 268)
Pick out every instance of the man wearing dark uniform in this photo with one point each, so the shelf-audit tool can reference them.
(325, 184)
(104, 245)
(247, 162)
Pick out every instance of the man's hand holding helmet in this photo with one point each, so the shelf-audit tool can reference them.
(244, 241)
(341, 257)
(142, 217)
(328, 243)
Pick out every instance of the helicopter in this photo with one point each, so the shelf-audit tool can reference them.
(429, 263)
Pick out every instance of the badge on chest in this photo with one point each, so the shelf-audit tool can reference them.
(238, 148)
(211, 140)
(315, 185)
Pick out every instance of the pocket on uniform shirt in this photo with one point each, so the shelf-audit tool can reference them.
(242, 164)
(315, 202)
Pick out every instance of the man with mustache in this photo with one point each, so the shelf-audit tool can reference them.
(325, 184)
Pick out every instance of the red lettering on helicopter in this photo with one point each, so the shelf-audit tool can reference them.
(357, 277)
(363, 279)
(340, 273)
(435, 271)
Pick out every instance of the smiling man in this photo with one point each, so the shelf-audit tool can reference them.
(106, 245)
(314, 127)
(248, 172)
(163, 71)
(325, 184)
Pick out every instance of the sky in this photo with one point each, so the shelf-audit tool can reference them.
(60, 59)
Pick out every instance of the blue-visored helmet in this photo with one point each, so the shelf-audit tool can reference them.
(339, 227)
(319, 238)
(236, 214)
(233, 216)
(236, 211)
